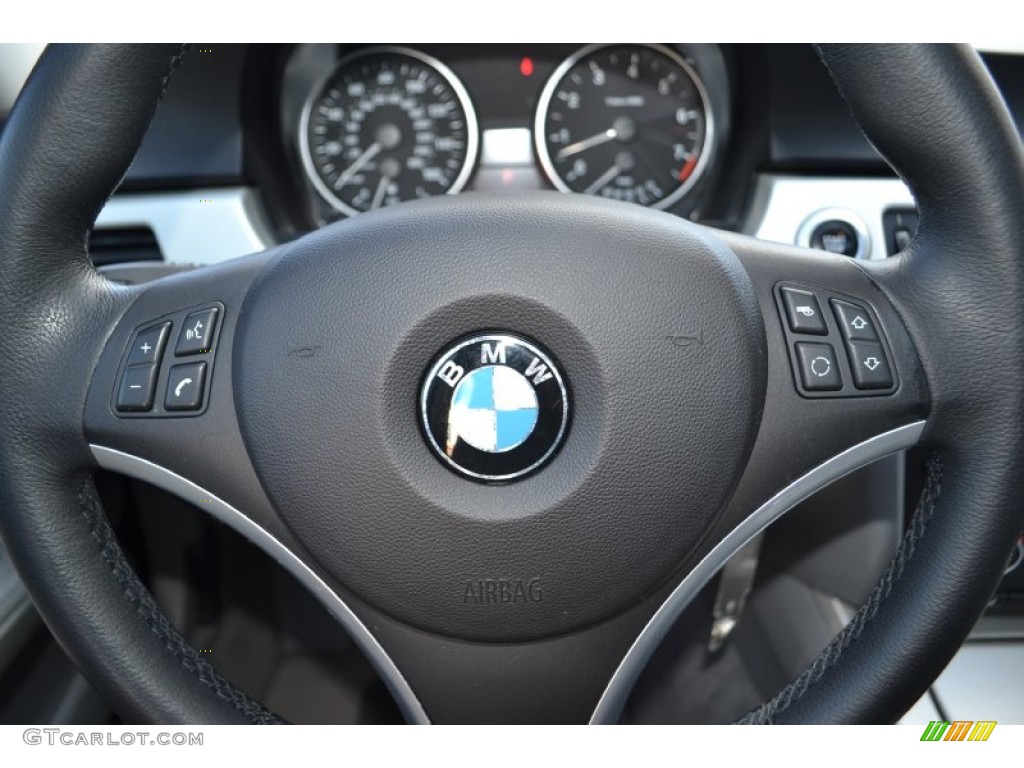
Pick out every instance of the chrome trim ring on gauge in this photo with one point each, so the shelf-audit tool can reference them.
(544, 104)
(462, 96)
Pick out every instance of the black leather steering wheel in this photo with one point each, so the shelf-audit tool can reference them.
(692, 425)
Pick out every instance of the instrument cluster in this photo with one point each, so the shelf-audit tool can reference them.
(377, 125)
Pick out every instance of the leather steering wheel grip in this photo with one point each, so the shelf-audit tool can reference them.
(66, 145)
(935, 114)
(931, 110)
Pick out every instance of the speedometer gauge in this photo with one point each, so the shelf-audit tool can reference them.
(626, 122)
(388, 124)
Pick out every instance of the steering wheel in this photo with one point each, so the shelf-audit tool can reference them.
(677, 389)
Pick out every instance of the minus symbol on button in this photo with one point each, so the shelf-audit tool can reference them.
(134, 386)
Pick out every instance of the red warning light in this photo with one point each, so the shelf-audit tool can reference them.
(526, 66)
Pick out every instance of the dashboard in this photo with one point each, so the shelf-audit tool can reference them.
(749, 138)
(257, 144)
(377, 125)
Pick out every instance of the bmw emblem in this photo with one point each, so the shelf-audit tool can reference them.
(494, 407)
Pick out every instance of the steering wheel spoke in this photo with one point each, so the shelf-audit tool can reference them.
(181, 432)
(842, 369)
(162, 392)
(828, 411)
(199, 454)
(507, 439)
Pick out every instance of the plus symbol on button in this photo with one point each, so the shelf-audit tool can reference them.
(145, 348)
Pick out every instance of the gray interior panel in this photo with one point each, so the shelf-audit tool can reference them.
(984, 681)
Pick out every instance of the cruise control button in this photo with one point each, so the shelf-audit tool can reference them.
(819, 370)
(185, 387)
(148, 344)
(854, 322)
(869, 365)
(136, 390)
(196, 334)
(803, 312)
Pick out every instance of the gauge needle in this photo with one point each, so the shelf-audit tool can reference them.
(596, 140)
(368, 155)
(378, 196)
(603, 180)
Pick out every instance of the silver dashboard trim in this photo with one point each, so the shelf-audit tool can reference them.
(197, 226)
(782, 204)
(609, 708)
(147, 471)
(234, 223)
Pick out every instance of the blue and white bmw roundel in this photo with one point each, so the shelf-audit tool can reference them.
(494, 407)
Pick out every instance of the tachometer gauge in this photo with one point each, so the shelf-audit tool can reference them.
(627, 122)
(388, 124)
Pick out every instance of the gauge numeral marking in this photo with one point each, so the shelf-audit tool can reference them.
(389, 124)
(627, 122)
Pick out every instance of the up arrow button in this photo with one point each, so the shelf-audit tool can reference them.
(854, 321)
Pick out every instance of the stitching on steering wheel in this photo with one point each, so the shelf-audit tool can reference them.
(136, 592)
(175, 61)
(766, 713)
(147, 609)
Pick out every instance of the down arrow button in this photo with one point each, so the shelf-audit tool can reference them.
(869, 365)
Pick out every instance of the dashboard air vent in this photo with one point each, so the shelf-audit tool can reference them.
(123, 244)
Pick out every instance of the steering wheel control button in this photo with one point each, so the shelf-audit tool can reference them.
(196, 334)
(185, 387)
(819, 368)
(148, 345)
(869, 365)
(494, 407)
(849, 325)
(803, 312)
(854, 322)
(137, 386)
